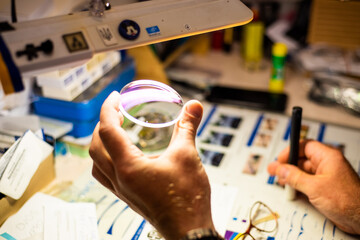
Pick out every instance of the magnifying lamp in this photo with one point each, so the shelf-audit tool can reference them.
(31, 47)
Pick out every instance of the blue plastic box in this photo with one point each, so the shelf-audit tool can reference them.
(84, 110)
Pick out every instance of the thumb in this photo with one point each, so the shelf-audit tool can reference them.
(185, 129)
(295, 178)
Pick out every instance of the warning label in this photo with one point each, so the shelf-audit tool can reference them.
(75, 42)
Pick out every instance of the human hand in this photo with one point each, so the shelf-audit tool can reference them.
(328, 180)
(172, 190)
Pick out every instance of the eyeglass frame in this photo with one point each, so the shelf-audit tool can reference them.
(251, 225)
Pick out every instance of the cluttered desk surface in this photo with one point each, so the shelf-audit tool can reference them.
(235, 145)
(228, 69)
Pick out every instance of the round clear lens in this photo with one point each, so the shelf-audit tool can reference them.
(262, 218)
(247, 237)
(150, 103)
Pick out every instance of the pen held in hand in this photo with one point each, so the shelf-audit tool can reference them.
(294, 145)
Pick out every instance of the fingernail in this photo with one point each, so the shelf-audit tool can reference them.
(194, 109)
(284, 172)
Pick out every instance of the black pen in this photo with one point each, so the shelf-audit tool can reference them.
(294, 146)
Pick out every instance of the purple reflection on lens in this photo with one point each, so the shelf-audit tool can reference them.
(135, 96)
(141, 97)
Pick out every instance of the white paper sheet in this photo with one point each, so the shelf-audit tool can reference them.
(44, 217)
(75, 221)
(22, 159)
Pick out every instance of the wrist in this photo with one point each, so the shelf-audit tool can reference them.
(202, 234)
(179, 226)
(172, 232)
(177, 222)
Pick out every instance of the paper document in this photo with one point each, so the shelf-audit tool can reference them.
(70, 221)
(44, 217)
(20, 162)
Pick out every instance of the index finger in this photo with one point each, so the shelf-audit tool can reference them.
(109, 113)
(308, 149)
(317, 152)
(283, 156)
(113, 136)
